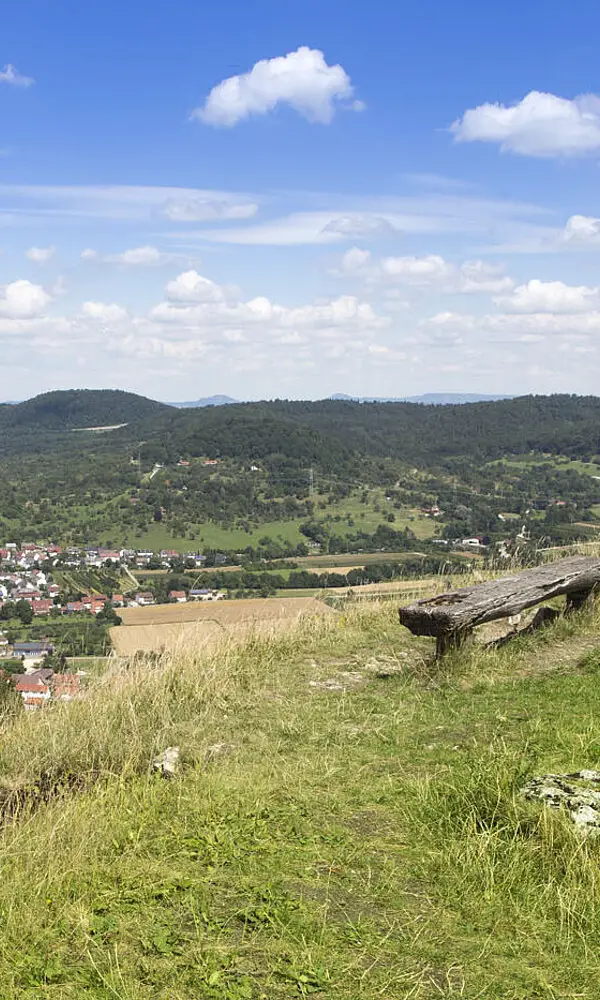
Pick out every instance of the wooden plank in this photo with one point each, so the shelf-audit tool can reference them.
(457, 611)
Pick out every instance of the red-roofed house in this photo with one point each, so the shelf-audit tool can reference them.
(33, 688)
(27, 595)
(65, 687)
(42, 607)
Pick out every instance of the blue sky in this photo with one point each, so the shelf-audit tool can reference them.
(293, 200)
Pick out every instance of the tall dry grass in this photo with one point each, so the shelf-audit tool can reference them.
(144, 704)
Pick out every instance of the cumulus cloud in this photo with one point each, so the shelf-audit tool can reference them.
(104, 312)
(192, 287)
(207, 209)
(523, 328)
(430, 271)
(540, 125)
(300, 79)
(550, 297)
(215, 311)
(477, 276)
(40, 255)
(11, 76)
(581, 230)
(23, 300)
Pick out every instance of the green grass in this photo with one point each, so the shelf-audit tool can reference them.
(368, 520)
(555, 461)
(212, 536)
(95, 666)
(361, 843)
(209, 535)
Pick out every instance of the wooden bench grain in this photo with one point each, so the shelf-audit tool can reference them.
(452, 616)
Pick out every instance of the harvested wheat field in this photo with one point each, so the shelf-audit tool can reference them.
(167, 626)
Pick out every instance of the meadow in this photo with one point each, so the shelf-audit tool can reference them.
(346, 822)
(344, 518)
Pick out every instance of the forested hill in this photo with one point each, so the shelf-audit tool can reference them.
(330, 433)
(427, 434)
(423, 435)
(246, 433)
(79, 408)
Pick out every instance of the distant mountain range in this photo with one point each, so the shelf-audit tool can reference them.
(427, 399)
(207, 401)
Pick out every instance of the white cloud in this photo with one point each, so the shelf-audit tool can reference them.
(138, 257)
(122, 201)
(104, 312)
(478, 276)
(145, 256)
(23, 300)
(539, 125)
(12, 76)
(301, 79)
(520, 328)
(357, 225)
(375, 216)
(332, 318)
(205, 209)
(581, 230)
(192, 287)
(430, 271)
(40, 255)
(550, 297)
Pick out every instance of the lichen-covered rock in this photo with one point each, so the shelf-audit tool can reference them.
(578, 793)
(167, 762)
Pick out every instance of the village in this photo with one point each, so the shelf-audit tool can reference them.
(26, 575)
(30, 591)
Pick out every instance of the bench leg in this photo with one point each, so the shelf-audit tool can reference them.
(577, 600)
(448, 641)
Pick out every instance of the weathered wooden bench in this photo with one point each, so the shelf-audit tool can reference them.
(452, 616)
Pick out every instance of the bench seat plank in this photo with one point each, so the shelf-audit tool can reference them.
(458, 611)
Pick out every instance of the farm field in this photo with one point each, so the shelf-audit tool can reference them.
(349, 561)
(168, 626)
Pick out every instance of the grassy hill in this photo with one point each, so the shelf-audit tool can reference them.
(345, 824)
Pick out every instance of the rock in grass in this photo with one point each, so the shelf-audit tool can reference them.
(578, 793)
(167, 763)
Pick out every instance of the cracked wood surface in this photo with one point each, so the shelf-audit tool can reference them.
(461, 610)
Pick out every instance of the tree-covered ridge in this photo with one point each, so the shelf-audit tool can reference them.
(75, 408)
(249, 432)
(326, 432)
(559, 424)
